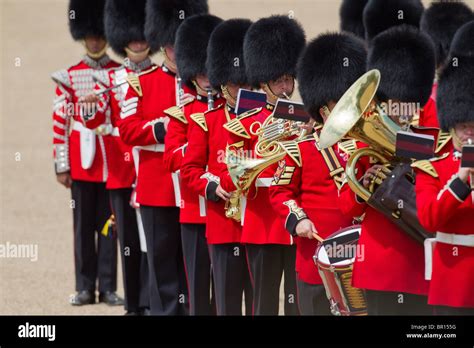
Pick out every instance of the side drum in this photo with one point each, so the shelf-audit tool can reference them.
(334, 259)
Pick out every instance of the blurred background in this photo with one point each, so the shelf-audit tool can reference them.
(34, 208)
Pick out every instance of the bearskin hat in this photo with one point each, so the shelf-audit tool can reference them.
(441, 21)
(272, 47)
(406, 60)
(329, 65)
(455, 96)
(86, 18)
(163, 18)
(124, 22)
(350, 14)
(463, 41)
(191, 43)
(225, 53)
(380, 15)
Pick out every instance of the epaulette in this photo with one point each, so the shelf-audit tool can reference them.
(216, 108)
(348, 146)
(443, 139)
(61, 77)
(236, 127)
(134, 80)
(101, 76)
(427, 166)
(200, 120)
(177, 113)
(293, 150)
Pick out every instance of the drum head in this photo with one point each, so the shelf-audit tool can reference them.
(339, 248)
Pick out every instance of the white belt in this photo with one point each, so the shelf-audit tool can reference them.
(447, 238)
(264, 182)
(152, 148)
(455, 239)
(79, 127)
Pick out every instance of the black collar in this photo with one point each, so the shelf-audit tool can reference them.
(230, 109)
(269, 106)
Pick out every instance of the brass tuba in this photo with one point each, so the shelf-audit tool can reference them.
(358, 116)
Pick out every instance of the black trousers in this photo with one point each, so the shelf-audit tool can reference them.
(394, 303)
(92, 262)
(312, 299)
(267, 263)
(134, 263)
(444, 310)
(198, 268)
(168, 294)
(231, 278)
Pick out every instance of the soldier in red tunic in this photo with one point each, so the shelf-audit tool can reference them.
(272, 47)
(445, 198)
(304, 190)
(441, 21)
(203, 164)
(143, 125)
(79, 156)
(191, 47)
(131, 45)
(392, 269)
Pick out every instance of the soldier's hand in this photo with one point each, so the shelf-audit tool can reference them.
(464, 173)
(64, 179)
(306, 229)
(222, 194)
(184, 98)
(308, 127)
(375, 174)
(89, 99)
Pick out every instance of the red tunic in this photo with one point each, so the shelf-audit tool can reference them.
(203, 164)
(444, 207)
(73, 83)
(261, 224)
(307, 190)
(176, 144)
(119, 155)
(138, 118)
(429, 115)
(391, 260)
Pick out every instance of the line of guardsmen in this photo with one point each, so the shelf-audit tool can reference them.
(145, 162)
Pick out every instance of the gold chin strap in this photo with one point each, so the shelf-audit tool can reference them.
(456, 141)
(138, 56)
(230, 99)
(97, 55)
(168, 62)
(272, 96)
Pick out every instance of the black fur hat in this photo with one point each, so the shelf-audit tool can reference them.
(86, 18)
(124, 22)
(272, 47)
(406, 60)
(225, 53)
(329, 65)
(380, 15)
(163, 18)
(191, 43)
(350, 14)
(455, 96)
(463, 41)
(441, 21)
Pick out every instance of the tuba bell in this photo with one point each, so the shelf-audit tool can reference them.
(358, 116)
